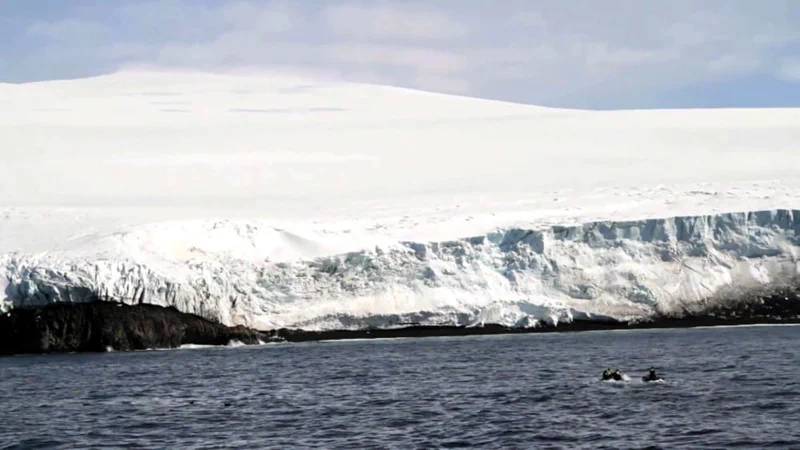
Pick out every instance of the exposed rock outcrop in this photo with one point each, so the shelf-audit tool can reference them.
(99, 326)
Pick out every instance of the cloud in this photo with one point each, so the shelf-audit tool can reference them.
(263, 19)
(532, 19)
(596, 54)
(419, 58)
(384, 21)
(194, 21)
(69, 29)
(578, 54)
(734, 64)
(789, 70)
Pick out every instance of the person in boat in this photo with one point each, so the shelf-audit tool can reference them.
(607, 374)
(616, 375)
(651, 376)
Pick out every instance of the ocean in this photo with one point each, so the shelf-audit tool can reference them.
(725, 387)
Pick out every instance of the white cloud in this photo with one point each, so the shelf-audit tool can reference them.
(69, 29)
(602, 54)
(735, 64)
(789, 70)
(257, 17)
(392, 22)
(187, 20)
(532, 19)
(410, 57)
(580, 53)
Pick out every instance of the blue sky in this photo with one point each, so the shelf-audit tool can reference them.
(576, 53)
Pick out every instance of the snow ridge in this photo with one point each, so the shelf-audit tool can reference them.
(511, 276)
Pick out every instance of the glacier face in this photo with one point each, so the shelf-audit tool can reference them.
(510, 276)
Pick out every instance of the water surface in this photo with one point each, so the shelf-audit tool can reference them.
(726, 388)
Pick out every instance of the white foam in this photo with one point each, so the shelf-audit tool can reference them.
(196, 346)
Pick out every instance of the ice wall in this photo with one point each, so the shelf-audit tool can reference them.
(511, 276)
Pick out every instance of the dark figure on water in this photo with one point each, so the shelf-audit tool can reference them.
(651, 376)
(612, 374)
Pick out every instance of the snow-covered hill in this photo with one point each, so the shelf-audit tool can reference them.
(273, 201)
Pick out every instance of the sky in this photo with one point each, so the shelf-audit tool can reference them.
(609, 54)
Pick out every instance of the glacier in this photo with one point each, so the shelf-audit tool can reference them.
(274, 201)
(514, 277)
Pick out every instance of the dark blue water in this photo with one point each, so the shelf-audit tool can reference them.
(726, 388)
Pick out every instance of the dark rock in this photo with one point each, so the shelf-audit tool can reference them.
(96, 326)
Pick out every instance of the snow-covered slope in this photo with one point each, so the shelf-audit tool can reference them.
(273, 201)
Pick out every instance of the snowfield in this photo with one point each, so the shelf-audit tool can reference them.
(273, 201)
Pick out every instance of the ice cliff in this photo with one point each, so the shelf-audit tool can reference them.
(508, 276)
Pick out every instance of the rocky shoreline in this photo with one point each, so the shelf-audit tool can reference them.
(99, 326)
(102, 325)
(290, 335)
(779, 305)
